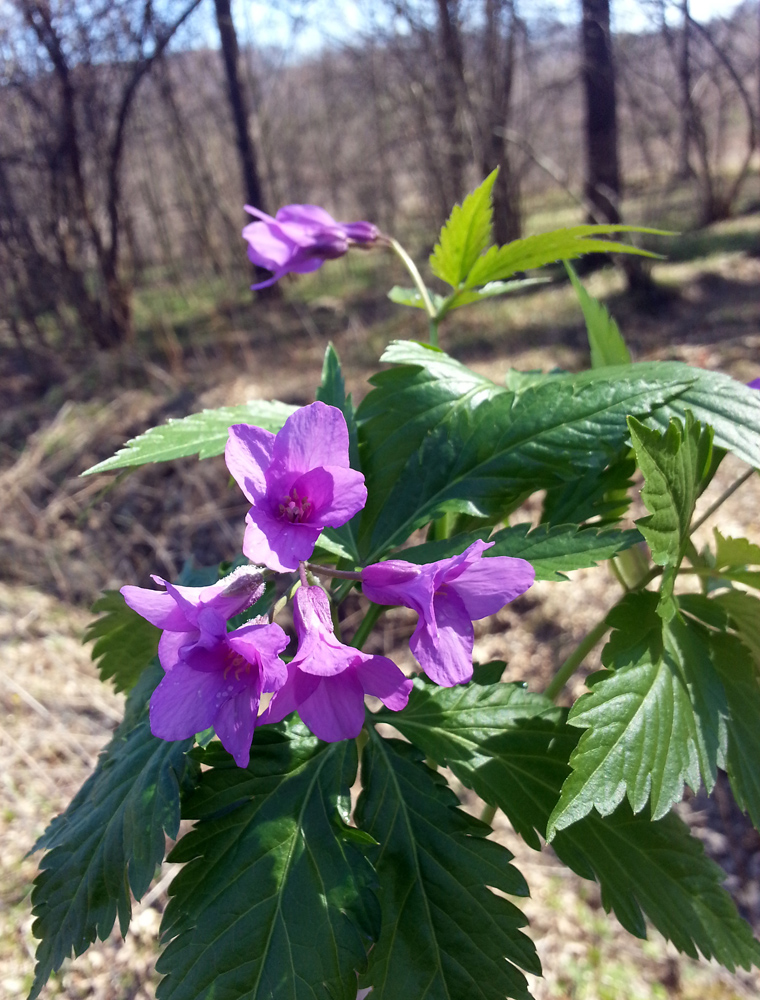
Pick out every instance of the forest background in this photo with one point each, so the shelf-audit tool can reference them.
(131, 134)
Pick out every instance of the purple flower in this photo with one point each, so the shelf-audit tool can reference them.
(212, 677)
(448, 595)
(299, 239)
(754, 384)
(327, 681)
(298, 481)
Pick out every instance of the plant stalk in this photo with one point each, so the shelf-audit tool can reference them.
(575, 659)
(421, 288)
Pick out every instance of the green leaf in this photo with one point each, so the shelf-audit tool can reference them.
(466, 296)
(125, 643)
(411, 297)
(604, 337)
(658, 720)
(511, 746)
(110, 839)
(735, 553)
(738, 673)
(431, 448)
(500, 263)
(554, 550)
(274, 901)
(602, 495)
(744, 615)
(465, 235)
(674, 467)
(500, 739)
(445, 934)
(203, 434)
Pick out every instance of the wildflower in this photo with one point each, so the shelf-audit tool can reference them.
(299, 239)
(448, 596)
(298, 481)
(754, 384)
(326, 681)
(212, 677)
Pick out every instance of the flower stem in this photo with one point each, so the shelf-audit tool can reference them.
(340, 574)
(575, 659)
(360, 636)
(721, 499)
(421, 288)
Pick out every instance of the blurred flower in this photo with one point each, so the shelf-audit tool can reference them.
(299, 239)
(448, 595)
(327, 681)
(754, 384)
(212, 677)
(298, 481)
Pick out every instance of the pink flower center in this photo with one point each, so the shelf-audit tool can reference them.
(294, 508)
(235, 664)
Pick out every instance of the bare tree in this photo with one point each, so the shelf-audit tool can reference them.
(602, 187)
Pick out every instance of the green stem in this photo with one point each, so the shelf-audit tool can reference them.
(721, 499)
(360, 636)
(575, 659)
(421, 288)
(488, 814)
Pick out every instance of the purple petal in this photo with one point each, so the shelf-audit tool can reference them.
(252, 210)
(313, 436)
(248, 455)
(284, 702)
(269, 245)
(392, 582)
(446, 657)
(754, 384)
(169, 646)
(491, 583)
(335, 710)
(280, 545)
(380, 677)
(262, 644)
(360, 232)
(235, 721)
(306, 215)
(156, 606)
(186, 701)
(336, 493)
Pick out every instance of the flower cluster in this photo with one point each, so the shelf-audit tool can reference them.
(299, 482)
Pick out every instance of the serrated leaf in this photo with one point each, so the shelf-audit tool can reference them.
(412, 297)
(109, 840)
(477, 451)
(203, 434)
(602, 495)
(500, 739)
(738, 673)
(465, 235)
(604, 337)
(674, 467)
(446, 935)
(500, 263)
(554, 550)
(511, 746)
(274, 900)
(655, 722)
(124, 642)
(744, 614)
(466, 296)
(735, 553)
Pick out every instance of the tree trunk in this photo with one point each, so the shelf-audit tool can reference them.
(239, 108)
(686, 108)
(602, 170)
(499, 59)
(451, 90)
